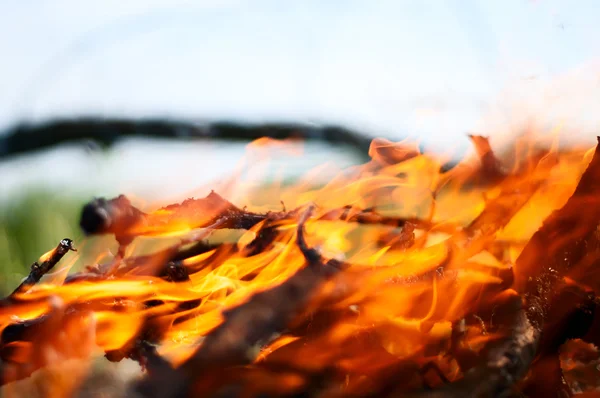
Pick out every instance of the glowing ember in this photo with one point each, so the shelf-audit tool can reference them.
(396, 277)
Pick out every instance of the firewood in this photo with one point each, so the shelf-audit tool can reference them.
(237, 340)
(523, 312)
(558, 246)
(47, 262)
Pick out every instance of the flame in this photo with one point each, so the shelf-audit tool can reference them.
(404, 286)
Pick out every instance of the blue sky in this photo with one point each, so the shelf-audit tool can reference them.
(422, 68)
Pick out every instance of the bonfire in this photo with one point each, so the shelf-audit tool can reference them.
(402, 277)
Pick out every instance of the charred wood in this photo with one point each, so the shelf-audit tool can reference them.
(237, 340)
(104, 132)
(47, 262)
(558, 246)
(119, 217)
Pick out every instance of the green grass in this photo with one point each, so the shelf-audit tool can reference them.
(30, 225)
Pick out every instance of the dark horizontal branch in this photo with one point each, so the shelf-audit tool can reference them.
(118, 216)
(26, 138)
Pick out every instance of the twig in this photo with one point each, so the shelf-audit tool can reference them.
(371, 217)
(119, 217)
(44, 265)
(247, 327)
(554, 252)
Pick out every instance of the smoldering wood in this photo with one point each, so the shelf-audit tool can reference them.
(159, 263)
(562, 244)
(524, 320)
(504, 363)
(40, 333)
(541, 291)
(173, 270)
(247, 327)
(510, 359)
(507, 361)
(119, 217)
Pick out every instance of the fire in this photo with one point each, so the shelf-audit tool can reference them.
(390, 268)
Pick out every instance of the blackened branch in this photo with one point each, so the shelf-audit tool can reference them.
(553, 253)
(245, 328)
(105, 132)
(506, 362)
(119, 217)
(561, 243)
(44, 265)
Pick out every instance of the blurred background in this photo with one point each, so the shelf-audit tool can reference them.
(425, 70)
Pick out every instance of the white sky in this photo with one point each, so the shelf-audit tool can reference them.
(431, 69)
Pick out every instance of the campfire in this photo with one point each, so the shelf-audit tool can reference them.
(399, 277)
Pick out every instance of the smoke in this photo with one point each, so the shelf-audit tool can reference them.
(563, 106)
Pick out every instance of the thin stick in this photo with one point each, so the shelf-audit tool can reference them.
(39, 269)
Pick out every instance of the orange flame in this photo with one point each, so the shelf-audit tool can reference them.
(405, 284)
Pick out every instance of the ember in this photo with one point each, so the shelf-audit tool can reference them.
(396, 278)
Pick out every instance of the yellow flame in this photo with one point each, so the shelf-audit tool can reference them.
(407, 297)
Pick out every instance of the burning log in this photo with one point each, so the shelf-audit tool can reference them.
(119, 217)
(561, 244)
(27, 346)
(414, 307)
(504, 367)
(510, 360)
(505, 364)
(248, 327)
